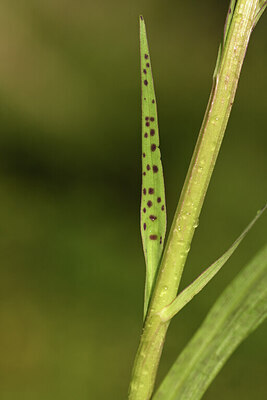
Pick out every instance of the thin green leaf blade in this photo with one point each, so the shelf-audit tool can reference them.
(240, 309)
(188, 293)
(153, 207)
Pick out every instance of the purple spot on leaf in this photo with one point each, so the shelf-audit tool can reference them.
(148, 65)
(148, 167)
(144, 226)
(159, 199)
(149, 203)
(152, 217)
(147, 123)
(145, 82)
(144, 190)
(152, 132)
(153, 147)
(145, 135)
(163, 208)
(155, 168)
(150, 190)
(153, 237)
(152, 119)
(144, 210)
(146, 56)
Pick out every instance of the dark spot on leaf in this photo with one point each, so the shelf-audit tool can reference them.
(149, 203)
(147, 123)
(144, 173)
(148, 65)
(144, 210)
(148, 167)
(141, 18)
(153, 147)
(150, 190)
(160, 241)
(144, 226)
(145, 135)
(144, 98)
(146, 56)
(153, 237)
(145, 82)
(144, 190)
(153, 101)
(152, 132)
(144, 71)
(152, 119)
(152, 217)
(163, 208)
(159, 199)
(144, 154)
(155, 168)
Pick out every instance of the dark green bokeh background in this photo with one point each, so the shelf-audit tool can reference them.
(72, 269)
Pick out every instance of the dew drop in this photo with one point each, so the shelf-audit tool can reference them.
(163, 291)
(196, 223)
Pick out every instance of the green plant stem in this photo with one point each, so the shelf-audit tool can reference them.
(192, 197)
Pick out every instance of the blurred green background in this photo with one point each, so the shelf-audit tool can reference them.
(72, 269)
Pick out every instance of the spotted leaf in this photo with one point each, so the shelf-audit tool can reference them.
(153, 207)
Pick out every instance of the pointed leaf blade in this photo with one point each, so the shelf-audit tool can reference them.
(153, 206)
(188, 293)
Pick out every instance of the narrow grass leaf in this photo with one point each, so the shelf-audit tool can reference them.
(240, 309)
(153, 207)
(188, 293)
